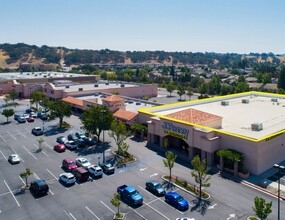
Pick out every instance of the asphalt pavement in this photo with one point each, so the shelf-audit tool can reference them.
(91, 200)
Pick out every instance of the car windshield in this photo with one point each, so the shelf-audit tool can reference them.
(158, 186)
(71, 163)
(134, 193)
(84, 161)
(179, 198)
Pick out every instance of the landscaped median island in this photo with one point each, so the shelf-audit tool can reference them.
(192, 189)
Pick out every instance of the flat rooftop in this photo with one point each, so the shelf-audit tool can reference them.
(132, 105)
(73, 87)
(237, 117)
(39, 75)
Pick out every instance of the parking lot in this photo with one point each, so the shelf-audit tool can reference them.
(89, 200)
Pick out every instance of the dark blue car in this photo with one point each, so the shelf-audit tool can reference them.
(176, 200)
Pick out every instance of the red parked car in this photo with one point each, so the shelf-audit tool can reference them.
(68, 164)
(30, 119)
(59, 148)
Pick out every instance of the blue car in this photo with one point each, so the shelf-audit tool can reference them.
(176, 200)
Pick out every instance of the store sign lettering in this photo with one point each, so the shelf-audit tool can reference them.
(171, 129)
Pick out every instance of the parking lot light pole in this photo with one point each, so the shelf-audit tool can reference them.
(279, 168)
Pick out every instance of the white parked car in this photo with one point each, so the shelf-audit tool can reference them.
(95, 170)
(14, 159)
(82, 162)
(71, 145)
(26, 116)
(67, 178)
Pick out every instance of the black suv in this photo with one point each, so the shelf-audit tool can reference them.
(39, 187)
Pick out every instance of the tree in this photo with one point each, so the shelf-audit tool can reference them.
(172, 73)
(8, 113)
(7, 99)
(45, 103)
(40, 141)
(261, 208)
(25, 175)
(189, 92)
(116, 201)
(170, 88)
(13, 94)
(281, 79)
(60, 109)
(181, 90)
(169, 162)
(200, 173)
(119, 133)
(36, 97)
(97, 118)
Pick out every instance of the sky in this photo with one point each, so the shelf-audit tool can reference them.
(222, 26)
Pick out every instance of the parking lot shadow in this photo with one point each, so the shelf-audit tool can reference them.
(55, 131)
(95, 149)
(201, 206)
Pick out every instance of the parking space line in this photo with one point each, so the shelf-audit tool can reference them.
(92, 213)
(3, 155)
(107, 207)
(41, 151)
(157, 211)
(18, 154)
(12, 135)
(51, 174)
(27, 130)
(22, 180)
(6, 193)
(139, 214)
(35, 175)
(12, 193)
(48, 145)
(72, 216)
(21, 134)
(51, 192)
(30, 152)
(2, 138)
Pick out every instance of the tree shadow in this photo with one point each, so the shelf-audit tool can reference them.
(55, 131)
(95, 149)
(168, 186)
(201, 206)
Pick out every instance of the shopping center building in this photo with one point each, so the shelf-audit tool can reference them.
(251, 123)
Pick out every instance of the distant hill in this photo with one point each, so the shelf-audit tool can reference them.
(14, 55)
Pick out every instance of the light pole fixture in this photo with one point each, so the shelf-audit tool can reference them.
(279, 167)
(103, 143)
(30, 97)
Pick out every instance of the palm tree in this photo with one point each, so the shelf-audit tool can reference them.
(169, 162)
(200, 173)
(189, 92)
(25, 175)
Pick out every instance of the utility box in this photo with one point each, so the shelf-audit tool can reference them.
(245, 101)
(256, 127)
(224, 103)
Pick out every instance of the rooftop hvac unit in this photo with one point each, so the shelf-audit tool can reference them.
(106, 83)
(96, 85)
(80, 89)
(224, 103)
(245, 101)
(256, 127)
(274, 100)
(122, 85)
(67, 87)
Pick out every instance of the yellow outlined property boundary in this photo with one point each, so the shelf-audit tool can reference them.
(266, 138)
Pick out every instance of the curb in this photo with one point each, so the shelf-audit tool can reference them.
(193, 194)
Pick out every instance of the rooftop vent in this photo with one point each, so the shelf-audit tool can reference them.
(256, 127)
(224, 103)
(96, 85)
(106, 83)
(122, 85)
(245, 101)
(274, 100)
(80, 89)
(138, 103)
(67, 87)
